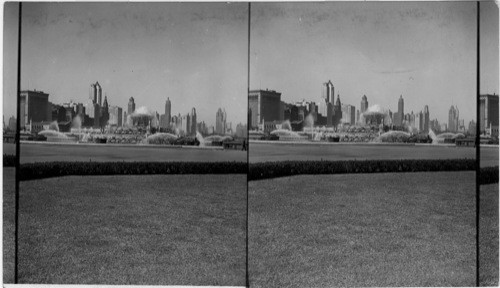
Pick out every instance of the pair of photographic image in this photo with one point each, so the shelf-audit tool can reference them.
(262, 144)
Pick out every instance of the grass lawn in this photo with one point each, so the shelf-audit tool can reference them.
(260, 152)
(407, 229)
(110, 153)
(164, 229)
(488, 235)
(9, 182)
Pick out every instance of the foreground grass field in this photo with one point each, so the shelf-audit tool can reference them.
(407, 229)
(8, 223)
(165, 229)
(488, 235)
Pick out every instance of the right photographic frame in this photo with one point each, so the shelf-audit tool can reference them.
(363, 131)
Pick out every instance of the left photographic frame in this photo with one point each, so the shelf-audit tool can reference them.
(133, 156)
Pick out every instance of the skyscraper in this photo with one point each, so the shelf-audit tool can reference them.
(418, 121)
(168, 111)
(99, 93)
(453, 119)
(93, 93)
(115, 116)
(220, 122)
(131, 106)
(364, 103)
(348, 114)
(104, 112)
(401, 111)
(193, 122)
(328, 92)
(337, 112)
(426, 119)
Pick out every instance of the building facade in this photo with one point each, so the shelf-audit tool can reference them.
(115, 116)
(488, 113)
(34, 107)
(348, 114)
(264, 106)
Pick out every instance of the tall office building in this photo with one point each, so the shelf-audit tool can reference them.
(131, 106)
(104, 112)
(220, 122)
(115, 116)
(193, 122)
(184, 124)
(337, 112)
(364, 104)
(426, 119)
(453, 119)
(348, 114)
(418, 121)
(328, 92)
(401, 105)
(168, 113)
(95, 94)
(264, 105)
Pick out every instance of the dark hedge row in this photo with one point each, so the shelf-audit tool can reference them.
(488, 175)
(9, 160)
(267, 170)
(40, 170)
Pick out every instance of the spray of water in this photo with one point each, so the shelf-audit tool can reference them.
(77, 122)
(200, 138)
(54, 126)
(286, 125)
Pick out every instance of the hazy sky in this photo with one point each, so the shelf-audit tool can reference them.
(194, 53)
(424, 51)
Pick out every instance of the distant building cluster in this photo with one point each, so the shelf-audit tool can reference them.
(267, 112)
(37, 114)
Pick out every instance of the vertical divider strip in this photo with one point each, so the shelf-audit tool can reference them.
(17, 163)
(478, 154)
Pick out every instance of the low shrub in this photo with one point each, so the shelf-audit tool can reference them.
(40, 170)
(9, 160)
(488, 175)
(267, 170)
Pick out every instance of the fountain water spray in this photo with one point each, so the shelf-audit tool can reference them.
(54, 126)
(200, 138)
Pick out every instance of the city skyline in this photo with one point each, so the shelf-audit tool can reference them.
(423, 51)
(195, 54)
